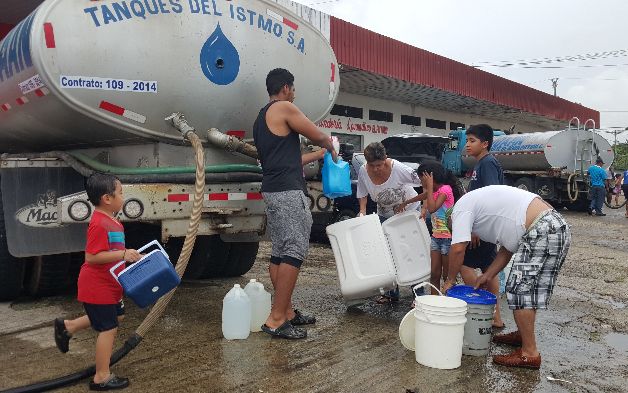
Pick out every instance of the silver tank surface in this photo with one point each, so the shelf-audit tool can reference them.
(539, 151)
(77, 73)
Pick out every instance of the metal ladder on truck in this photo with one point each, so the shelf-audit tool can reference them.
(585, 143)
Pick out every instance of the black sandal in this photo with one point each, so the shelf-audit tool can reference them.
(302, 319)
(113, 383)
(286, 330)
(62, 337)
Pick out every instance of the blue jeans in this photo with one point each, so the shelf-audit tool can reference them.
(598, 193)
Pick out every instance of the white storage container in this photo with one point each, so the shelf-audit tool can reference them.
(372, 258)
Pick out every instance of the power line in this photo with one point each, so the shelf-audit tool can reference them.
(547, 60)
(551, 67)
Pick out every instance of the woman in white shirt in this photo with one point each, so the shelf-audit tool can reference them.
(389, 183)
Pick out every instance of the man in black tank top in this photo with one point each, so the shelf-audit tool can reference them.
(289, 220)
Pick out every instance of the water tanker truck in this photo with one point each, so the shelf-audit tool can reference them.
(86, 86)
(552, 164)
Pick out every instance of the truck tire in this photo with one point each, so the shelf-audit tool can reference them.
(241, 258)
(208, 251)
(49, 275)
(11, 268)
(524, 183)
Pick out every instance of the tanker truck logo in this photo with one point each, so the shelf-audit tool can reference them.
(42, 213)
(220, 60)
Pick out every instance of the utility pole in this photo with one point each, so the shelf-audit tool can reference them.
(554, 84)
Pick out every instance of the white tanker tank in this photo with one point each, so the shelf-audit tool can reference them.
(81, 74)
(539, 151)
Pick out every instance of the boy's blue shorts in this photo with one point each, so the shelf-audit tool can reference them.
(480, 257)
(104, 317)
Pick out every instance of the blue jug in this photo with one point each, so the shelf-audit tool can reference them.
(336, 177)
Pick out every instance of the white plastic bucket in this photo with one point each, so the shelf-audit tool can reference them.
(478, 330)
(439, 330)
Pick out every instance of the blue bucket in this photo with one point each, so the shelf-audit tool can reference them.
(471, 296)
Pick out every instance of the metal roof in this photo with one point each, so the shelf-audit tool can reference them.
(381, 67)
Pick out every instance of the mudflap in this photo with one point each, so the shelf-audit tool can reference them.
(29, 196)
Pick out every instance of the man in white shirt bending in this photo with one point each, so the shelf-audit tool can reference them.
(537, 239)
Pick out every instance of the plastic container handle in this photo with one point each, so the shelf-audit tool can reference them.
(424, 284)
(112, 270)
(153, 243)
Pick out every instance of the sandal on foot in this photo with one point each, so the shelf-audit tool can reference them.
(498, 327)
(302, 319)
(112, 383)
(386, 299)
(62, 337)
(513, 338)
(517, 359)
(286, 330)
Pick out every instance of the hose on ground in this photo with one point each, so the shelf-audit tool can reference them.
(572, 198)
(159, 307)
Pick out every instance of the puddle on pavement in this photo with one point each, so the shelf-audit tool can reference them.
(617, 341)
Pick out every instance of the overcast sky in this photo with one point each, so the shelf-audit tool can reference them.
(476, 31)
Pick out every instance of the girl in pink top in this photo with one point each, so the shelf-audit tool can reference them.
(442, 189)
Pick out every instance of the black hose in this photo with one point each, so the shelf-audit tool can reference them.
(56, 383)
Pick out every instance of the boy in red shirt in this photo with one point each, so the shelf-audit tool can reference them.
(99, 292)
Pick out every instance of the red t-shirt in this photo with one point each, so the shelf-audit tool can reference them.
(96, 285)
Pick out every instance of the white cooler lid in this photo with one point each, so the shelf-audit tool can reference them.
(409, 243)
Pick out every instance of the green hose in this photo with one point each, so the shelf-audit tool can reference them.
(224, 168)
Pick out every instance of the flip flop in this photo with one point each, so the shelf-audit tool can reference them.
(302, 319)
(386, 299)
(286, 330)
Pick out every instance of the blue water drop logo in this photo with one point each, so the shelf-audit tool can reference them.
(220, 60)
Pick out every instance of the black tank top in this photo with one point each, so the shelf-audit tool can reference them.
(280, 157)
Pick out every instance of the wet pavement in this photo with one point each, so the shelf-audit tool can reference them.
(583, 338)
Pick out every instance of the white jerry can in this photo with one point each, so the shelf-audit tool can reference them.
(372, 257)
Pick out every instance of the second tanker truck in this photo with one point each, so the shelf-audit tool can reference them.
(86, 86)
(552, 164)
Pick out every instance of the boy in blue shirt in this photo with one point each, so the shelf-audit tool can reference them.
(597, 176)
(487, 172)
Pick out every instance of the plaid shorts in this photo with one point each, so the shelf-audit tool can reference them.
(535, 265)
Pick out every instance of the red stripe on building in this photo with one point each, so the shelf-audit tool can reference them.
(219, 197)
(118, 110)
(290, 23)
(49, 34)
(178, 197)
(255, 196)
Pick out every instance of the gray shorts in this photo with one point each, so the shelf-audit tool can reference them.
(289, 224)
(535, 265)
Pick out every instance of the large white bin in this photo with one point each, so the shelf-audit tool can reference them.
(372, 258)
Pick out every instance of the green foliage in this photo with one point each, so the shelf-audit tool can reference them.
(621, 156)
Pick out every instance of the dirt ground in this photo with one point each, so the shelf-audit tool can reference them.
(583, 337)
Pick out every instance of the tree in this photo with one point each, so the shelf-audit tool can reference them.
(621, 156)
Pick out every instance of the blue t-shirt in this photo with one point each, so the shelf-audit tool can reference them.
(597, 175)
(625, 182)
(487, 172)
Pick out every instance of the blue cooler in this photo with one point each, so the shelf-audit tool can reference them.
(149, 278)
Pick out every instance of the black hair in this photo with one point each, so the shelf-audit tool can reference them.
(442, 176)
(277, 79)
(99, 184)
(374, 152)
(483, 132)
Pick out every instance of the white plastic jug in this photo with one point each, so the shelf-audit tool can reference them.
(236, 314)
(260, 304)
